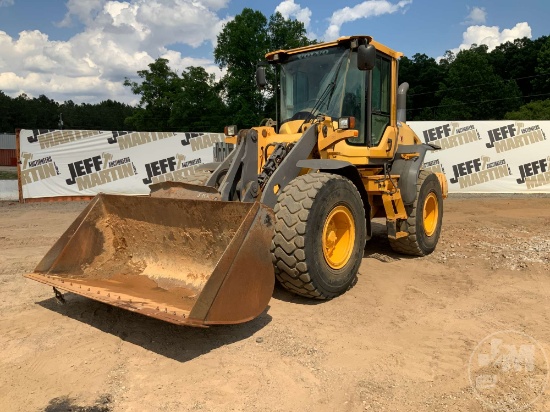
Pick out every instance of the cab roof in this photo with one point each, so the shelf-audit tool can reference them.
(341, 40)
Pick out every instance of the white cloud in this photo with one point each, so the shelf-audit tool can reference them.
(289, 9)
(119, 38)
(85, 11)
(491, 36)
(6, 3)
(369, 8)
(477, 15)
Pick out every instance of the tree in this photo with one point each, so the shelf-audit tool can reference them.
(198, 106)
(286, 33)
(541, 83)
(158, 89)
(423, 75)
(537, 110)
(242, 44)
(472, 91)
(517, 60)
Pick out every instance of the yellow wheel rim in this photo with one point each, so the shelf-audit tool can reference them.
(430, 214)
(338, 237)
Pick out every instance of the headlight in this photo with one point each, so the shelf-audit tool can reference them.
(345, 123)
(230, 130)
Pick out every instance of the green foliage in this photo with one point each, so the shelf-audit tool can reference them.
(242, 44)
(422, 73)
(537, 110)
(515, 60)
(472, 91)
(541, 83)
(23, 112)
(5, 175)
(159, 89)
(198, 106)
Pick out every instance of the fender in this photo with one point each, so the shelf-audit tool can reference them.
(408, 168)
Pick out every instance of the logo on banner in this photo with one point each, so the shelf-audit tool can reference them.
(535, 174)
(513, 136)
(99, 170)
(170, 169)
(478, 171)
(434, 166)
(50, 138)
(127, 140)
(35, 170)
(451, 135)
(200, 141)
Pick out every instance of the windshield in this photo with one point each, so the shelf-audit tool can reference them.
(305, 78)
(327, 80)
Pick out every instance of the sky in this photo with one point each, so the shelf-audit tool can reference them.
(82, 50)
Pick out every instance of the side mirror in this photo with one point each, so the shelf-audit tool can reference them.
(366, 57)
(260, 77)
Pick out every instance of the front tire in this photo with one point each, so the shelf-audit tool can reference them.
(320, 234)
(423, 225)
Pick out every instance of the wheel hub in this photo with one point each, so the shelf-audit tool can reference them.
(338, 237)
(430, 214)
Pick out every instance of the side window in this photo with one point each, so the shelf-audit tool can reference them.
(381, 98)
(353, 102)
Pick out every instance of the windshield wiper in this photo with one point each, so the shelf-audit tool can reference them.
(329, 91)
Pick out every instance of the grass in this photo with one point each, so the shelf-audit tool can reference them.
(8, 175)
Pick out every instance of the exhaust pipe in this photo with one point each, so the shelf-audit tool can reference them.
(402, 102)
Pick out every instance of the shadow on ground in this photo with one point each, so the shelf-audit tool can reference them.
(181, 343)
(66, 404)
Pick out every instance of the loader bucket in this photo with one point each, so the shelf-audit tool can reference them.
(188, 262)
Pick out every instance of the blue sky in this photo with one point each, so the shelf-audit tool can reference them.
(83, 49)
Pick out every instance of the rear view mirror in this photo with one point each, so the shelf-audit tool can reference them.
(260, 77)
(366, 57)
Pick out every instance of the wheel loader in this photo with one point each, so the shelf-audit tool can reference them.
(293, 201)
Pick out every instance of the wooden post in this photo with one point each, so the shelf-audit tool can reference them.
(18, 155)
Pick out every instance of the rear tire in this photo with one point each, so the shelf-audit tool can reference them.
(425, 216)
(320, 234)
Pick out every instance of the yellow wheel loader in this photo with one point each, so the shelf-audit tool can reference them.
(293, 201)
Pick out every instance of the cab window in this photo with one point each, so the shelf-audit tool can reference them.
(381, 98)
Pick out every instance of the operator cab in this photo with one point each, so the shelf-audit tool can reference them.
(332, 79)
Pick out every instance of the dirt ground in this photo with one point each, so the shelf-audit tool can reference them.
(409, 336)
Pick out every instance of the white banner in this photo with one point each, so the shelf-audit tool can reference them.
(87, 162)
(489, 156)
(477, 157)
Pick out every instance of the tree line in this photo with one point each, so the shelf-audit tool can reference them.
(510, 82)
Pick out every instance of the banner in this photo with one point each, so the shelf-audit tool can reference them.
(489, 156)
(87, 162)
(476, 156)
